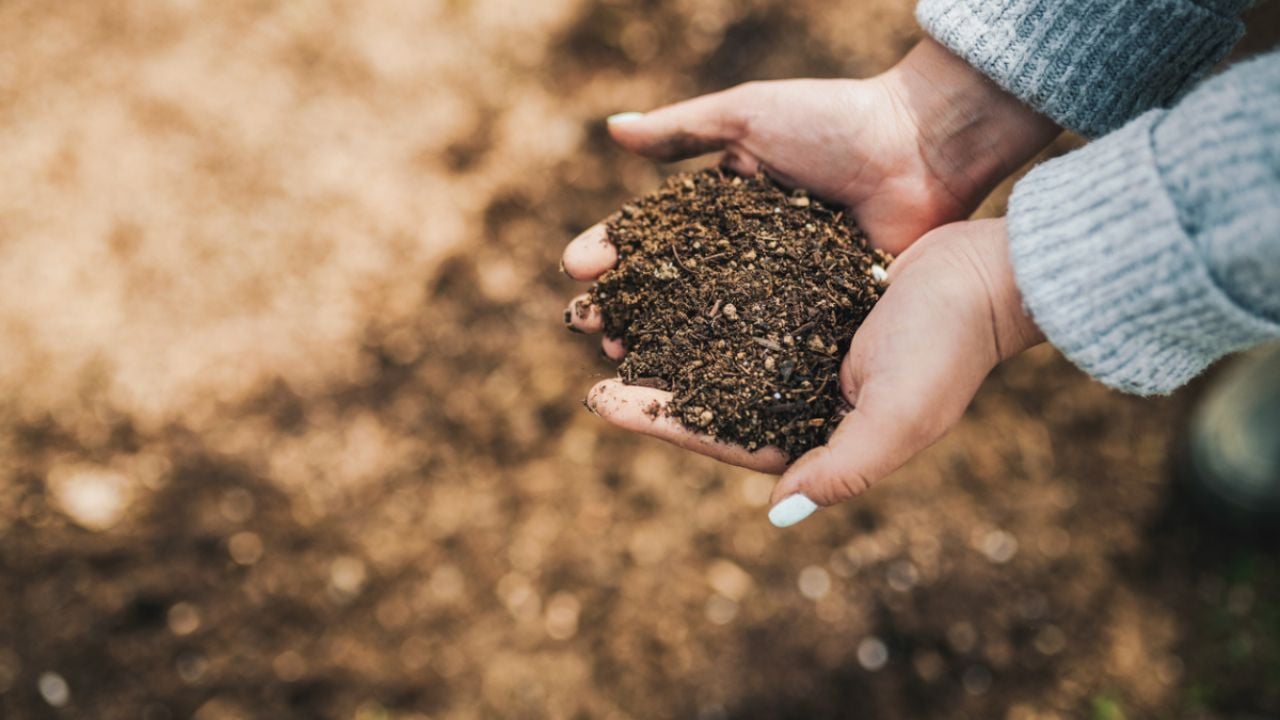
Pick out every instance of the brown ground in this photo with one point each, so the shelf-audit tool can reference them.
(291, 427)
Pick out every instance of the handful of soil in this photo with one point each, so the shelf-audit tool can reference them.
(740, 297)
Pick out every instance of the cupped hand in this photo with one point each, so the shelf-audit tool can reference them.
(908, 150)
(913, 148)
(951, 312)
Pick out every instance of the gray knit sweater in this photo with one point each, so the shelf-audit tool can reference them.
(1154, 250)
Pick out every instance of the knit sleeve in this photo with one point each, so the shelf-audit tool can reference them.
(1155, 250)
(1090, 65)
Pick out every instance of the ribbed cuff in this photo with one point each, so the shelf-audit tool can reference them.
(1111, 277)
(1090, 65)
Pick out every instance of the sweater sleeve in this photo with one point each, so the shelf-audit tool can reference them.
(1090, 65)
(1155, 250)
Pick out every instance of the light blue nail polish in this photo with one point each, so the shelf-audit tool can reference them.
(791, 511)
(625, 117)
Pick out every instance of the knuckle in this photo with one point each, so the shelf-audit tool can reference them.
(836, 482)
(852, 484)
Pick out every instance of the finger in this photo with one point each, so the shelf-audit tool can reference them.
(865, 447)
(686, 129)
(895, 415)
(613, 349)
(589, 254)
(641, 409)
(581, 316)
(740, 162)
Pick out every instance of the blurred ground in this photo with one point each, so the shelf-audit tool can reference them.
(290, 427)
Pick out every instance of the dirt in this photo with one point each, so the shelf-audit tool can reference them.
(740, 297)
(289, 427)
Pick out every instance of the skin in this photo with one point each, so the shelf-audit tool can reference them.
(910, 152)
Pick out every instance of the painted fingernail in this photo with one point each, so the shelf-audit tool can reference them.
(791, 511)
(568, 322)
(625, 117)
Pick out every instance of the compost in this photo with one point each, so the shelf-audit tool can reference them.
(740, 297)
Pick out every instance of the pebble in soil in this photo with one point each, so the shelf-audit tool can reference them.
(740, 297)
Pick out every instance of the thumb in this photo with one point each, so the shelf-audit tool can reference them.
(686, 129)
(896, 415)
(869, 444)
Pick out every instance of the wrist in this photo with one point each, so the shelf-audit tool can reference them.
(1013, 327)
(971, 133)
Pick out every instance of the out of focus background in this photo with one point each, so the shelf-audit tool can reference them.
(289, 426)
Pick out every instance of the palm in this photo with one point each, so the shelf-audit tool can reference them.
(857, 148)
(848, 141)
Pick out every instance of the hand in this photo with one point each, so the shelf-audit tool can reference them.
(951, 313)
(908, 150)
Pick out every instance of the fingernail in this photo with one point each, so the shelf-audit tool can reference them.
(791, 511)
(625, 117)
(568, 322)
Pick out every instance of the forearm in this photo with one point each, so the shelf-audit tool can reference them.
(1156, 250)
(1091, 65)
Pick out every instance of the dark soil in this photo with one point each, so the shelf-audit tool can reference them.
(740, 297)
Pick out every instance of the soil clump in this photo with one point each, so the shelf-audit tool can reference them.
(740, 297)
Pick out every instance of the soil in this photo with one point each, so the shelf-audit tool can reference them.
(289, 427)
(740, 297)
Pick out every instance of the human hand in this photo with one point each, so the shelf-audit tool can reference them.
(951, 312)
(906, 151)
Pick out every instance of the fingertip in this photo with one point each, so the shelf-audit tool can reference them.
(589, 254)
(613, 349)
(795, 481)
(686, 129)
(826, 475)
(581, 316)
(791, 510)
(629, 406)
(643, 410)
(623, 118)
(595, 394)
(626, 129)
